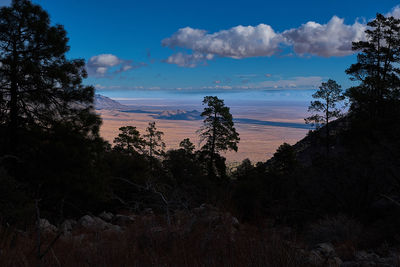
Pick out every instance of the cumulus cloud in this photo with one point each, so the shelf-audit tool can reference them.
(237, 42)
(395, 12)
(333, 39)
(104, 64)
(328, 40)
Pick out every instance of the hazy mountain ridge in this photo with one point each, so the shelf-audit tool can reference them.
(106, 103)
(179, 115)
(103, 102)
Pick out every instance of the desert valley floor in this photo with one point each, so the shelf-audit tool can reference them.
(257, 142)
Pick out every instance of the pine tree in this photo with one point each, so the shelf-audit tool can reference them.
(129, 140)
(39, 86)
(153, 140)
(331, 94)
(187, 145)
(218, 132)
(377, 68)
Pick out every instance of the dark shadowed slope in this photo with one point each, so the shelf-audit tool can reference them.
(273, 123)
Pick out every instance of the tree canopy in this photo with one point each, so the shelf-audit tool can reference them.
(218, 132)
(187, 145)
(377, 67)
(153, 140)
(39, 86)
(330, 94)
(129, 140)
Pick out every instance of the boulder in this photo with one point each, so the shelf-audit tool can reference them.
(324, 255)
(86, 221)
(235, 222)
(148, 211)
(123, 220)
(106, 216)
(67, 226)
(369, 259)
(208, 216)
(324, 249)
(46, 226)
(114, 229)
(93, 223)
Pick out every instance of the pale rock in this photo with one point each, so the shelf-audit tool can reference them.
(46, 226)
(324, 255)
(106, 216)
(123, 220)
(67, 226)
(93, 223)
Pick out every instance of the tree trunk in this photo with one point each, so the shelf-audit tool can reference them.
(13, 121)
(212, 155)
(327, 128)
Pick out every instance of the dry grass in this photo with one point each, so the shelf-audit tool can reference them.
(149, 242)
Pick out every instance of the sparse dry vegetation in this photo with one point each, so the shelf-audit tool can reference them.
(151, 242)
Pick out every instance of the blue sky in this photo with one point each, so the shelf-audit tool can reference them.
(201, 45)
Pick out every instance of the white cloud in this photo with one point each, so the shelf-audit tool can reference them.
(103, 87)
(108, 60)
(127, 67)
(395, 12)
(237, 42)
(188, 60)
(299, 82)
(99, 86)
(104, 64)
(327, 40)
(333, 39)
(223, 87)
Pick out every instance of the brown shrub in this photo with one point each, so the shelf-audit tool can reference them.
(151, 242)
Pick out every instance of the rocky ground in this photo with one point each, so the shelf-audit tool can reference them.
(203, 237)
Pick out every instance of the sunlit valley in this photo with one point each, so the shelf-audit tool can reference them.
(263, 120)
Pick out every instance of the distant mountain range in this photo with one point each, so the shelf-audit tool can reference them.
(103, 102)
(179, 115)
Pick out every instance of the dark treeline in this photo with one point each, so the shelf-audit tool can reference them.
(53, 159)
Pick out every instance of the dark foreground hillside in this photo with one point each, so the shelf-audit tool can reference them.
(203, 237)
(303, 207)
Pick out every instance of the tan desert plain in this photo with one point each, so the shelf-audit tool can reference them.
(257, 142)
